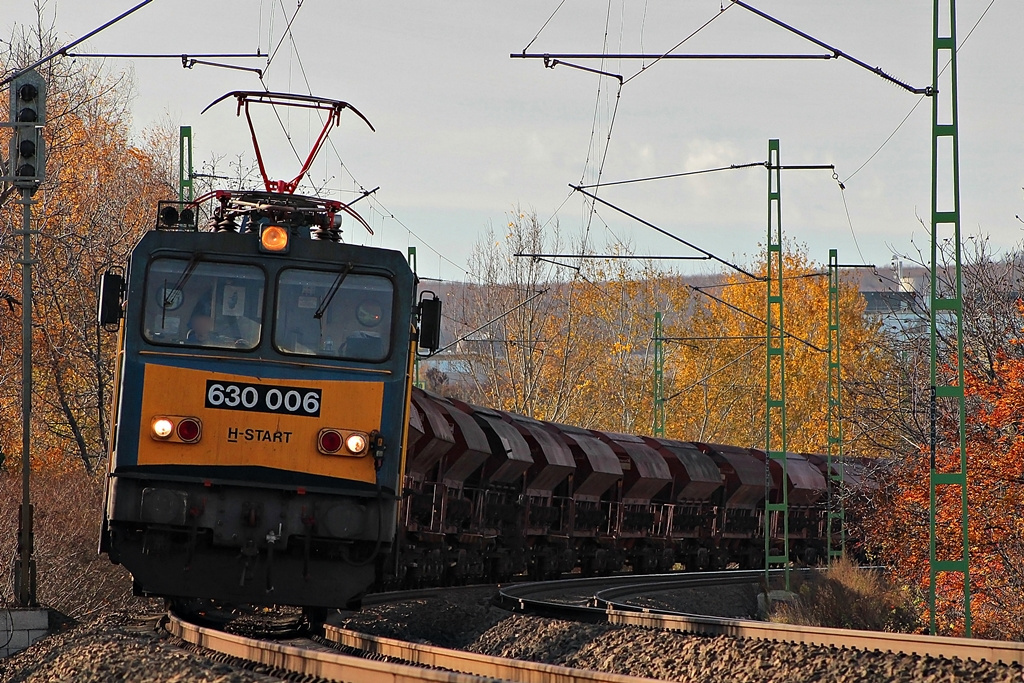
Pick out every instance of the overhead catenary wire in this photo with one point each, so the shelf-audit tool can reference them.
(544, 26)
(166, 55)
(593, 130)
(491, 321)
(559, 56)
(834, 53)
(550, 62)
(592, 205)
(187, 60)
(731, 167)
(707, 23)
(802, 276)
(618, 95)
(849, 220)
(287, 33)
(711, 374)
(388, 214)
(63, 50)
(614, 256)
(667, 234)
(754, 317)
(927, 90)
(373, 200)
(920, 99)
(717, 338)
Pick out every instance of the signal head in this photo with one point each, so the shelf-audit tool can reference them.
(28, 114)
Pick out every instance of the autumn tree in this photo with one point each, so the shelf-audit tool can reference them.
(894, 414)
(715, 373)
(563, 340)
(618, 303)
(99, 195)
(994, 392)
(516, 324)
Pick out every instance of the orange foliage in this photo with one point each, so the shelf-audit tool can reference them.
(99, 195)
(995, 455)
(574, 345)
(717, 374)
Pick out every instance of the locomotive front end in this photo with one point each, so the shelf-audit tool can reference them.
(261, 413)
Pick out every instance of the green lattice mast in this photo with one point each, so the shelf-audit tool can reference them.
(659, 377)
(775, 381)
(946, 311)
(185, 191)
(836, 522)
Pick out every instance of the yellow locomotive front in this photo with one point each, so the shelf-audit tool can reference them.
(261, 410)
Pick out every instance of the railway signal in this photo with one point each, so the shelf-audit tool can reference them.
(26, 172)
(28, 114)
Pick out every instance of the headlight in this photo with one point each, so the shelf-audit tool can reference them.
(343, 442)
(356, 443)
(162, 428)
(176, 429)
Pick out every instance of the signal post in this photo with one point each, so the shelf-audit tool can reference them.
(25, 171)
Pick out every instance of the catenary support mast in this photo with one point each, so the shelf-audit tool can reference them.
(836, 522)
(659, 377)
(776, 513)
(948, 464)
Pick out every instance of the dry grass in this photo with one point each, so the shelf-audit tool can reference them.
(846, 596)
(71, 576)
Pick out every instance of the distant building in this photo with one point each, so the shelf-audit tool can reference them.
(899, 301)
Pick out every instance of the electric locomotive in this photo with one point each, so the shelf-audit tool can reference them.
(262, 396)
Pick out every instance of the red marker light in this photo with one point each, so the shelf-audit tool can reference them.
(189, 430)
(329, 441)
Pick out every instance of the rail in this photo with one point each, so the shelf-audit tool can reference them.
(450, 666)
(607, 604)
(486, 666)
(590, 592)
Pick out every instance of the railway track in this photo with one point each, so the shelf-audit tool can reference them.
(371, 659)
(608, 599)
(341, 654)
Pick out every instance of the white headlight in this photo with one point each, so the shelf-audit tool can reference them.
(356, 443)
(162, 428)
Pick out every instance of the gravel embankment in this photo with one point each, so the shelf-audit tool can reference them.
(116, 647)
(469, 622)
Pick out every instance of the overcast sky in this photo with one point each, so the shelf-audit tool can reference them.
(464, 133)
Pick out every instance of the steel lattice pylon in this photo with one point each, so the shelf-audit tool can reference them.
(836, 522)
(946, 311)
(659, 377)
(775, 381)
(185, 191)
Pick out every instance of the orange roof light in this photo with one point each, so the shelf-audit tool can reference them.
(274, 238)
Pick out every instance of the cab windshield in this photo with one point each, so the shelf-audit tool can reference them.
(336, 314)
(203, 303)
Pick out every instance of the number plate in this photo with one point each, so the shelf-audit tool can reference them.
(263, 398)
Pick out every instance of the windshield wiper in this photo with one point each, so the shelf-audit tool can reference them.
(169, 294)
(332, 291)
(182, 279)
